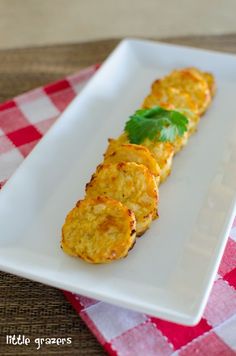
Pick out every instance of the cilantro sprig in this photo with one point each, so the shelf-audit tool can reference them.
(156, 124)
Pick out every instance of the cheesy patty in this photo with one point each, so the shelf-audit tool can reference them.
(99, 230)
(190, 82)
(134, 153)
(130, 183)
(162, 152)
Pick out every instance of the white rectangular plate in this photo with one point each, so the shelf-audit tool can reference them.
(170, 271)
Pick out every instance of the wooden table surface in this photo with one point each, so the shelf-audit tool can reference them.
(30, 308)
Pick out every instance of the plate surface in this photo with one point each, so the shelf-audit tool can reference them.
(170, 271)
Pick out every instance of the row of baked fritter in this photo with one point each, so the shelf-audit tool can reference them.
(121, 199)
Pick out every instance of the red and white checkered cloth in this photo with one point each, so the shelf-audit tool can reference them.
(23, 121)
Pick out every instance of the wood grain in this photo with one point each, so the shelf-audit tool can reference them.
(27, 307)
(27, 68)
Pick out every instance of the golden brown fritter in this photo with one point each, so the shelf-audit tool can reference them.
(134, 153)
(130, 183)
(162, 151)
(99, 230)
(190, 82)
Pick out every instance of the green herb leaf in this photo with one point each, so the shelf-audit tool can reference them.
(156, 124)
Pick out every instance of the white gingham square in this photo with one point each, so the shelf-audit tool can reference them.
(112, 321)
(40, 109)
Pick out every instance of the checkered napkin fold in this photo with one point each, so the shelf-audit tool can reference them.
(23, 121)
